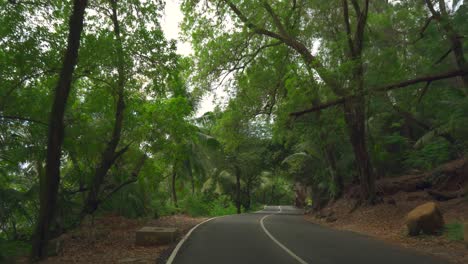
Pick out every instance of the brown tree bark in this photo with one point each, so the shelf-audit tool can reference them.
(355, 109)
(110, 155)
(49, 184)
(355, 120)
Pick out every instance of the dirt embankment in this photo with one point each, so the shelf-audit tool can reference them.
(386, 221)
(111, 239)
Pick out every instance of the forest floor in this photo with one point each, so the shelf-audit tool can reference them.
(386, 221)
(111, 239)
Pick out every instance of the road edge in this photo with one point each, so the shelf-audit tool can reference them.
(181, 242)
(277, 242)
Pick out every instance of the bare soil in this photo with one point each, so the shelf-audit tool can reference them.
(386, 221)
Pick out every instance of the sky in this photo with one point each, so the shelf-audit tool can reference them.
(170, 24)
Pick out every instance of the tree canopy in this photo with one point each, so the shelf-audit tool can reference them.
(99, 113)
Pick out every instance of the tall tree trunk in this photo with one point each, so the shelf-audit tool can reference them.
(110, 155)
(355, 107)
(238, 189)
(355, 120)
(49, 185)
(173, 185)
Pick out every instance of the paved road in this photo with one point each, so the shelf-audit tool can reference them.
(281, 235)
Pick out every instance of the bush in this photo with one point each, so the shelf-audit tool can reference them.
(222, 206)
(195, 206)
(208, 205)
(454, 231)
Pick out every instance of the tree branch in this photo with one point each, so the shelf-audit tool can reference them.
(429, 78)
(443, 56)
(19, 118)
(276, 19)
(423, 29)
(134, 178)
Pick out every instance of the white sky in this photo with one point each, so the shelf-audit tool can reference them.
(170, 25)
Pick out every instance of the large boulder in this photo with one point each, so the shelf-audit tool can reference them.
(426, 218)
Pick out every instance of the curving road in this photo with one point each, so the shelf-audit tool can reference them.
(279, 234)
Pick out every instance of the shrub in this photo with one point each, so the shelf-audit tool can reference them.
(208, 205)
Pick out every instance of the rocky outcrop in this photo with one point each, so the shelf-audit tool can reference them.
(426, 218)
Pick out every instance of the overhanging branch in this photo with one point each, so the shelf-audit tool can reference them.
(429, 78)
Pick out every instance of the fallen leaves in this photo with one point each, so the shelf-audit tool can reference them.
(111, 239)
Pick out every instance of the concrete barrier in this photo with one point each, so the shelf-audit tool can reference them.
(150, 236)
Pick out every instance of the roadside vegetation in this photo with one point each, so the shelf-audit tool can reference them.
(323, 101)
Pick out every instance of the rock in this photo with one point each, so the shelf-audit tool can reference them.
(426, 218)
(150, 236)
(331, 219)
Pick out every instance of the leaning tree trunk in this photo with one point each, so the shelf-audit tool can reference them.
(110, 155)
(49, 184)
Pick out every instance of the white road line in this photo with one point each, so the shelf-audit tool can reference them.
(279, 243)
(176, 249)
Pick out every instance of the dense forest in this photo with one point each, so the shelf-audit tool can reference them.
(99, 113)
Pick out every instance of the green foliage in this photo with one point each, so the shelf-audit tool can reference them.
(12, 249)
(208, 205)
(251, 136)
(454, 231)
(429, 156)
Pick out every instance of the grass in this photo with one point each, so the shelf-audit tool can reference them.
(454, 231)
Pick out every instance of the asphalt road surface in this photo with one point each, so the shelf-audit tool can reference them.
(279, 234)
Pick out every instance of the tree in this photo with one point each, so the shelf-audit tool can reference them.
(50, 182)
(110, 154)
